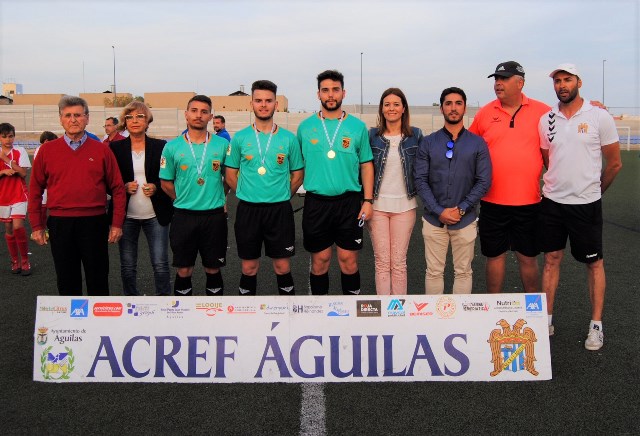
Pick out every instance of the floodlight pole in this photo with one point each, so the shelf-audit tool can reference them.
(361, 97)
(115, 93)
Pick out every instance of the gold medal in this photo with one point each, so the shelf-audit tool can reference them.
(262, 170)
(199, 166)
(331, 154)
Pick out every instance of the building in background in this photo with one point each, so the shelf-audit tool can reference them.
(237, 101)
(11, 89)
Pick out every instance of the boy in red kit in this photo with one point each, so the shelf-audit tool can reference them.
(13, 199)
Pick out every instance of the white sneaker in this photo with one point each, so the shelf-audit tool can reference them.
(595, 340)
(551, 330)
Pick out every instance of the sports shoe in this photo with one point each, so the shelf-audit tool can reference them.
(551, 330)
(15, 267)
(25, 268)
(595, 340)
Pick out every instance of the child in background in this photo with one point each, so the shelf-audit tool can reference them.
(13, 199)
(46, 136)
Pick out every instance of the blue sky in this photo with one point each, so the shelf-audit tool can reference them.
(419, 46)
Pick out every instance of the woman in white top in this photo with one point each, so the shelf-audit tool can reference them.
(394, 144)
(148, 208)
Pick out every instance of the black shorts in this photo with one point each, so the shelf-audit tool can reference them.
(271, 223)
(199, 231)
(329, 220)
(503, 228)
(581, 223)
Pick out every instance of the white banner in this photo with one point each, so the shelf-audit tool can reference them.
(479, 337)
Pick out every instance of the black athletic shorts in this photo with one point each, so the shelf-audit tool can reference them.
(271, 223)
(329, 220)
(199, 231)
(581, 223)
(503, 228)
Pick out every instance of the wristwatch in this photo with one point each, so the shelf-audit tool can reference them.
(461, 211)
(369, 200)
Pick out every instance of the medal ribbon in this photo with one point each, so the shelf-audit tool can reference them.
(199, 166)
(326, 133)
(256, 131)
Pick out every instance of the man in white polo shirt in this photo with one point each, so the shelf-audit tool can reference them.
(574, 138)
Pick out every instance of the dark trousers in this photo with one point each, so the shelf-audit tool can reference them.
(76, 242)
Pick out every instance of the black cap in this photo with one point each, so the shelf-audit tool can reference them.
(508, 69)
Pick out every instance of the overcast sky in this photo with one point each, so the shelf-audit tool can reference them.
(420, 46)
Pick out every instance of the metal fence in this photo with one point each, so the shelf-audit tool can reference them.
(167, 123)
(30, 121)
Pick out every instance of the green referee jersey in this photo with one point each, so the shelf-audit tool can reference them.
(282, 157)
(325, 176)
(178, 165)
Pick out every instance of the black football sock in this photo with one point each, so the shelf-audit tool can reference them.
(182, 286)
(285, 284)
(248, 285)
(319, 284)
(350, 283)
(214, 284)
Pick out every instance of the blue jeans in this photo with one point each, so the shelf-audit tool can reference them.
(158, 240)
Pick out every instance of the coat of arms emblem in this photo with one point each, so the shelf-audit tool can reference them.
(512, 348)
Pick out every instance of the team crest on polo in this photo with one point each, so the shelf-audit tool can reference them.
(583, 128)
(229, 149)
(215, 165)
(57, 366)
(280, 158)
(512, 348)
(163, 162)
(346, 142)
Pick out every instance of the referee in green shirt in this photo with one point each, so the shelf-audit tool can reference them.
(337, 155)
(191, 174)
(264, 167)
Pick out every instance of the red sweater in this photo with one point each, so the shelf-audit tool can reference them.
(118, 137)
(77, 182)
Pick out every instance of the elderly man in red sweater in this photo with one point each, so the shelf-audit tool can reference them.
(78, 172)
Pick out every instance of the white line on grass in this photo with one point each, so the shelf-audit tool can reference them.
(312, 410)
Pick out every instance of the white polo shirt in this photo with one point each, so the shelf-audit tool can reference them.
(575, 155)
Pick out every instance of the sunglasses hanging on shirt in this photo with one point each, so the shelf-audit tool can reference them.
(449, 152)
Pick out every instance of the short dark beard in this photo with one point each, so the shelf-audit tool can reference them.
(191, 127)
(324, 105)
(263, 118)
(455, 121)
(572, 96)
